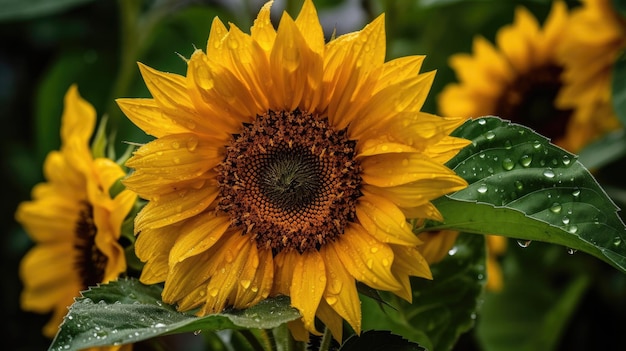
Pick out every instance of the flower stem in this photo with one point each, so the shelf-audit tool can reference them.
(326, 340)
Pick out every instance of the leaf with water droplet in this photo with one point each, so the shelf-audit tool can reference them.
(524, 207)
(128, 311)
(443, 308)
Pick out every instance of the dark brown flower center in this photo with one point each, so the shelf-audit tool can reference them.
(290, 180)
(90, 262)
(530, 100)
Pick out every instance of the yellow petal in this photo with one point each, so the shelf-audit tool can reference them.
(79, 117)
(384, 221)
(147, 115)
(197, 235)
(174, 207)
(263, 31)
(257, 285)
(387, 170)
(341, 293)
(176, 157)
(307, 286)
(367, 259)
(331, 320)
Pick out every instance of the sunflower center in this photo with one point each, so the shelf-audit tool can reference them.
(529, 100)
(290, 180)
(90, 262)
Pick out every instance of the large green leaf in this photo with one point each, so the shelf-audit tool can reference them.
(522, 186)
(127, 311)
(442, 308)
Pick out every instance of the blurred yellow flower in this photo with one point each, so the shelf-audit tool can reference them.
(285, 165)
(73, 221)
(595, 37)
(520, 79)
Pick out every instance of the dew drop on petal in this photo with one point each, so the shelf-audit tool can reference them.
(331, 300)
(245, 283)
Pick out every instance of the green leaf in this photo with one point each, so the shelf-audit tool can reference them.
(442, 308)
(536, 303)
(619, 86)
(523, 187)
(21, 9)
(126, 311)
(378, 340)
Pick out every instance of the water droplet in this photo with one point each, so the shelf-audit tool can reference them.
(245, 283)
(526, 160)
(565, 220)
(537, 144)
(213, 292)
(482, 189)
(176, 160)
(385, 262)
(508, 164)
(490, 135)
(175, 145)
(197, 332)
(482, 122)
(331, 300)
(572, 229)
(556, 207)
(159, 153)
(370, 263)
(229, 256)
(571, 251)
(576, 193)
(334, 286)
(566, 160)
(519, 185)
(192, 144)
(548, 173)
(617, 241)
(374, 249)
(453, 251)
(524, 243)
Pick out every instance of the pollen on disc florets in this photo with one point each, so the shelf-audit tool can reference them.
(290, 180)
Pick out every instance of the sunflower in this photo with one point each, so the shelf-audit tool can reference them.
(520, 80)
(73, 221)
(285, 165)
(595, 38)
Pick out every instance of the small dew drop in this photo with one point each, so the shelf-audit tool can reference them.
(370, 263)
(519, 185)
(374, 249)
(565, 220)
(576, 193)
(175, 145)
(452, 251)
(572, 229)
(537, 144)
(526, 160)
(548, 173)
(571, 251)
(482, 122)
(490, 135)
(213, 292)
(617, 241)
(524, 243)
(556, 208)
(508, 164)
(482, 189)
(331, 300)
(197, 332)
(192, 144)
(245, 283)
(566, 160)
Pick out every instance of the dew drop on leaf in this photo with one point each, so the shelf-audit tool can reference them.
(526, 160)
(508, 164)
(524, 243)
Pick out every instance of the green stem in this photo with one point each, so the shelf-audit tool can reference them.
(326, 340)
(252, 339)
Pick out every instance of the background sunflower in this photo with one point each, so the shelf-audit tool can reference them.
(96, 44)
